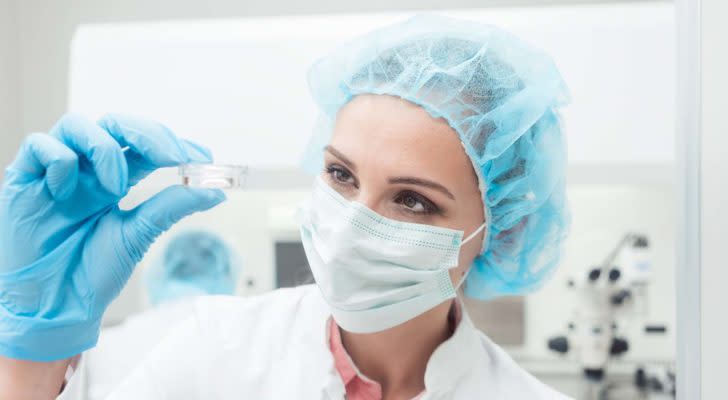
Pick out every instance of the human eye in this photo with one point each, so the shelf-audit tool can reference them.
(340, 175)
(415, 203)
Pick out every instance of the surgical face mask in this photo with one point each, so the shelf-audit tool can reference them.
(374, 272)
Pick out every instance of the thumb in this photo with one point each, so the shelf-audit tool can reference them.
(166, 208)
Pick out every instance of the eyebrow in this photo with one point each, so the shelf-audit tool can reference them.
(341, 156)
(407, 180)
(422, 182)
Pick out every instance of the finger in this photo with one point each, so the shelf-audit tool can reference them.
(45, 156)
(167, 207)
(151, 145)
(140, 166)
(88, 139)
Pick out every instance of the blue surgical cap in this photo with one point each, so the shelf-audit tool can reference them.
(500, 95)
(194, 263)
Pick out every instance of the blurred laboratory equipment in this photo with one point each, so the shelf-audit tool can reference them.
(656, 380)
(609, 295)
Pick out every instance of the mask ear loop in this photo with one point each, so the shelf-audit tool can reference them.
(472, 235)
(463, 279)
(467, 239)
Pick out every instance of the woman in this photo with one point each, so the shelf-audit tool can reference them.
(441, 164)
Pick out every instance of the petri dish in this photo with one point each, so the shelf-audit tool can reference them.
(212, 176)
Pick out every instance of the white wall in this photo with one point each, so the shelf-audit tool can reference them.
(714, 197)
(9, 100)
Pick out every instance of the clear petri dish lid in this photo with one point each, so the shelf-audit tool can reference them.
(212, 176)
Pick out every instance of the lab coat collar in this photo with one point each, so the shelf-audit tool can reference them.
(455, 357)
(449, 363)
(322, 359)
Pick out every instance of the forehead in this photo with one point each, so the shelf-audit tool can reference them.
(394, 136)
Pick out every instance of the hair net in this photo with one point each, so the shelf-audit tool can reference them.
(194, 263)
(501, 97)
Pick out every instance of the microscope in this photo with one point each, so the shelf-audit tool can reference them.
(604, 292)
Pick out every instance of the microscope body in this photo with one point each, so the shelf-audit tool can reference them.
(603, 293)
(592, 338)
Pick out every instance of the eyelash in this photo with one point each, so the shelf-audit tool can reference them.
(430, 208)
(333, 169)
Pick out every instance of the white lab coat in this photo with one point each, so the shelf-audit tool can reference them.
(275, 346)
(122, 347)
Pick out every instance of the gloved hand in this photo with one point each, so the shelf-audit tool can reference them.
(66, 249)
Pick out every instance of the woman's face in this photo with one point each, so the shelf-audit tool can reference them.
(393, 157)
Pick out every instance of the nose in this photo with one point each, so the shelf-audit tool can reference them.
(371, 199)
(366, 198)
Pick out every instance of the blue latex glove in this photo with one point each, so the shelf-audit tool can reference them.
(66, 249)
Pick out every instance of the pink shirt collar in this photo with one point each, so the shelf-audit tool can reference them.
(358, 386)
